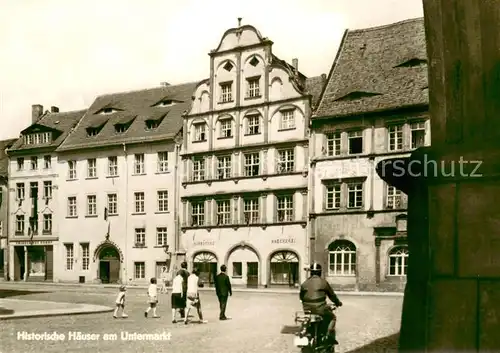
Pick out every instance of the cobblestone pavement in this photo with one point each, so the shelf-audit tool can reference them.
(257, 321)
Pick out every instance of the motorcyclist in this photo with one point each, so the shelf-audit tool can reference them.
(313, 294)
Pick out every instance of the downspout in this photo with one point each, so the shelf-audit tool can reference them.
(125, 260)
(176, 202)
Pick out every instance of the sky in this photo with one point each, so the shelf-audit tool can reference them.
(65, 53)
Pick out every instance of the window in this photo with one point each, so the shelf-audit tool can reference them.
(228, 66)
(161, 236)
(224, 167)
(112, 166)
(287, 119)
(226, 92)
(198, 169)
(355, 195)
(85, 249)
(252, 164)
(91, 205)
(72, 206)
(355, 140)
(223, 212)
(47, 162)
(20, 224)
(91, 168)
(140, 237)
(251, 210)
(139, 270)
(112, 204)
(253, 89)
(333, 141)
(197, 213)
(121, 128)
(253, 125)
(20, 163)
(139, 163)
(47, 189)
(333, 196)
(92, 131)
(286, 161)
(162, 162)
(237, 269)
(152, 124)
(71, 170)
(34, 163)
(226, 128)
(395, 137)
(200, 133)
(285, 208)
(162, 201)
(342, 258)
(139, 202)
(417, 134)
(69, 256)
(47, 223)
(398, 261)
(20, 192)
(394, 198)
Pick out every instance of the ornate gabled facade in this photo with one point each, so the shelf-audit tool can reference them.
(119, 191)
(245, 164)
(374, 107)
(4, 208)
(33, 233)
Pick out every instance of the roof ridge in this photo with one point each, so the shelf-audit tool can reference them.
(394, 24)
(147, 89)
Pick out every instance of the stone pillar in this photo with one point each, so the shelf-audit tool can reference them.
(453, 279)
(26, 262)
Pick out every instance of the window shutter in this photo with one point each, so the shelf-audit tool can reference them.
(274, 207)
(294, 206)
(189, 221)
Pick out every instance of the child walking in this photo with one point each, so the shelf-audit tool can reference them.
(152, 298)
(120, 302)
(177, 299)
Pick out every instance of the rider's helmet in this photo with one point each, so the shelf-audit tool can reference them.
(315, 269)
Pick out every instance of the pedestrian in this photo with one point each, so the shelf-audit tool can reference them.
(177, 301)
(185, 275)
(152, 298)
(120, 302)
(223, 291)
(164, 280)
(193, 297)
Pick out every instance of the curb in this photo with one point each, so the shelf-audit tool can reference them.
(236, 290)
(82, 309)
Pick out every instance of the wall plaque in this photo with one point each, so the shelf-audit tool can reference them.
(283, 241)
(204, 243)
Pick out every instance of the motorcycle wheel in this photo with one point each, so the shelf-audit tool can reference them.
(306, 350)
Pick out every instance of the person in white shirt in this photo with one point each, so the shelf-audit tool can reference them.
(177, 299)
(120, 302)
(193, 297)
(152, 298)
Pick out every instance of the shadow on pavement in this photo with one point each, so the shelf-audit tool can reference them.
(6, 293)
(386, 344)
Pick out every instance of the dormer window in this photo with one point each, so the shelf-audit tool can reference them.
(92, 131)
(200, 133)
(152, 124)
(120, 128)
(107, 110)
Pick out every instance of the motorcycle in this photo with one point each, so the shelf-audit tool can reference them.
(312, 334)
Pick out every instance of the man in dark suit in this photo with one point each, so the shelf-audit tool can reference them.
(185, 274)
(223, 291)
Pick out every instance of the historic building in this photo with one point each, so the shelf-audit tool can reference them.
(245, 164)
(118, 192)
(374, 107)
(4, 208)
(33, 232)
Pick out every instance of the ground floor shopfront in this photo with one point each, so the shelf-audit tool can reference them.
(255, 257)
(31, 260)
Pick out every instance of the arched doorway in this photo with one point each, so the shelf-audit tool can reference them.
(206, 262)
(243, 266)
(109, 264)
(285, 268)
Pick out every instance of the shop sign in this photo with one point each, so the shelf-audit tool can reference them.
(204, 243)
(283, 241)
(32, 242)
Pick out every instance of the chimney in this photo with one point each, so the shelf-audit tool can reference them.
(239, 21)
(295, 64)
(323, 78)
(54, 109)
(36, 112)
(164, 84)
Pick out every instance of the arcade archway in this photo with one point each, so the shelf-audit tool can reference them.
(206, 262)
(284, 268)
